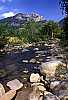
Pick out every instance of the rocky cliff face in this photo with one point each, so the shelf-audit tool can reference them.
(21, 18)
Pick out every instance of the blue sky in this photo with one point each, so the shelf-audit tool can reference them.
(49, 9)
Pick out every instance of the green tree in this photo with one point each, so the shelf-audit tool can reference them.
(64, 7)
(50, 30)
(30, 31)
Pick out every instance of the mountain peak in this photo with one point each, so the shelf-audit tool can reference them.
(21, 18)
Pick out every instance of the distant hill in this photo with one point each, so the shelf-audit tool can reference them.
(21, 18)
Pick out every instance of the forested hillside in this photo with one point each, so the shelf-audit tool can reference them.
(18, 29)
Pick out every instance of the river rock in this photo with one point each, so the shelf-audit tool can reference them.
(28, 94)
(9, 95)
(32, 60)
(40, 86)
(49, 68)
(34, 77)
(25, 50)
(37, 62)
(23, 94)
(46, 44)
(50, 96)
(2, 90)
(25, 61)
(37, 84)
(36, 49)
(35, 94)
(14, 84)
(54, 84)
(40, 52)
(61, 90)
(40, 60)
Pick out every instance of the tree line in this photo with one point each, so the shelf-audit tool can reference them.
(29, 32)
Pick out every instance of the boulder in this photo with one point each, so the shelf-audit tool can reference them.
(50, 96)
(34, 77)
(35, 94)
(49, 68)
(2, 90)
(61, 90)
(28, 94)
(54, 84)
(23, 94)
(39, 86)
(14, 84)
(9, 95)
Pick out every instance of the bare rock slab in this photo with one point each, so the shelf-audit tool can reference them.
(15, 84)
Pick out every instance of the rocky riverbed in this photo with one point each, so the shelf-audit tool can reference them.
(41, 68)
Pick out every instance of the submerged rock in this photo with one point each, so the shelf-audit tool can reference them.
(3, 73)
(15, 84)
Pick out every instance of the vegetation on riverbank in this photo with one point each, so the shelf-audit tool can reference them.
(30, 32)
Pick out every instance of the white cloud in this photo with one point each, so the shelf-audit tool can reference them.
(5, 1)
(8, 14)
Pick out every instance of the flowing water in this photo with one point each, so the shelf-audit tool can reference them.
(12, 65)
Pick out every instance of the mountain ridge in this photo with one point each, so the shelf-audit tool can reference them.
(22, 18)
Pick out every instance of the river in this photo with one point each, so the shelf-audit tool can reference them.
(16, 64)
